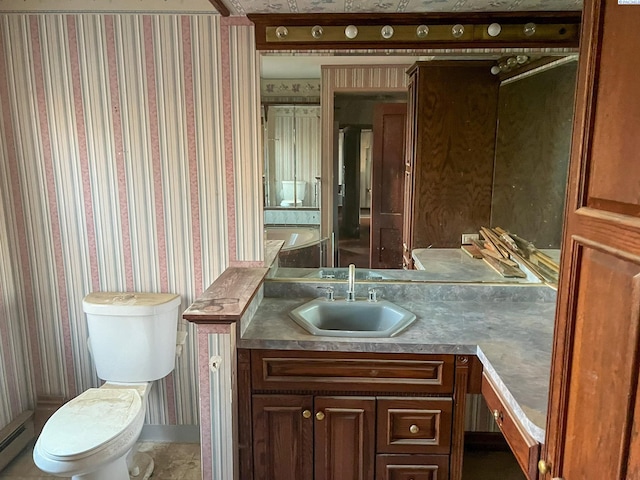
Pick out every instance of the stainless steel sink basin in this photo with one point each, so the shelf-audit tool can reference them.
(360, 318)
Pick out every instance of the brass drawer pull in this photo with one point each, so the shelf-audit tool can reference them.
(414, 429)
(320, 416)
(497, 415)
(306, 413)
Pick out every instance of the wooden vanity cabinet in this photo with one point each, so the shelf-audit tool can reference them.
(350, 416)
(450, 148)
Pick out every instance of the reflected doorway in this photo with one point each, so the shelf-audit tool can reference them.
(355, 185)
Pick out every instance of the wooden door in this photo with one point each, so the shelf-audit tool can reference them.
(283, 437)
(344, 438)
(593, 428)
(387, 185)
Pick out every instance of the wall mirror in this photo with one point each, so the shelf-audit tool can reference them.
(319, 170)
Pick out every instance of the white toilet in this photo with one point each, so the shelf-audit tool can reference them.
(293, 196)
(132, 338)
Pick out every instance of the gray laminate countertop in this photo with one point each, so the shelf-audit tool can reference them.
(509, 327)
(452, 264)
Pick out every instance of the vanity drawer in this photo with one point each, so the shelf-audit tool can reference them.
(416, 467)
(347, 371)
(525, 448)
(414, 425)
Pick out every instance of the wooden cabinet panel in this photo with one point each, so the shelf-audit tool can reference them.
(452, 112)
(412, 467)
(416, 425)
(525, 448)
(594, 411)
(336, 371)
(344, 438)
(282, 437)
(592, 426)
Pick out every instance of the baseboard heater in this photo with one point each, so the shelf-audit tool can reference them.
(15, 437)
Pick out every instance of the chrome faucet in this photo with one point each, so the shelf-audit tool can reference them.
(351, 284)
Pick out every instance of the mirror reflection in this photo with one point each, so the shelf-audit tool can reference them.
(323, 205)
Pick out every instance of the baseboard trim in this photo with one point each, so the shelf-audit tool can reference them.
(170, 433)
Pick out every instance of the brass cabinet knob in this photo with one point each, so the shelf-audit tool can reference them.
(544, 467)
(414, 429)
(320, 416)
(497, 415)
(306, 414)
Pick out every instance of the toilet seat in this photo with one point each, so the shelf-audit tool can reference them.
(98, 419)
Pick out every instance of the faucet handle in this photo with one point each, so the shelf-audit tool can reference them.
(373, 294)
(329, 291)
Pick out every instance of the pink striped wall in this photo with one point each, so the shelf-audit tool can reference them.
(119, 171)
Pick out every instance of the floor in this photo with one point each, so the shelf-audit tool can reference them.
(173, 461)
(356, 250)
(181, 461)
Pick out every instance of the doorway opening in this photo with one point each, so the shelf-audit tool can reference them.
(356, 190)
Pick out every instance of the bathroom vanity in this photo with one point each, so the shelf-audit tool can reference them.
(396, 404)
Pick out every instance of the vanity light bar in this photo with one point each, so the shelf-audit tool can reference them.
(415, 33)
(540, 29)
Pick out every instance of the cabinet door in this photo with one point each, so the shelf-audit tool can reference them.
(283, 437)
(344, 438)
(412, 467)
(593, 426)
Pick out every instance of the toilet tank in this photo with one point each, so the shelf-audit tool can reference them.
(132, 336)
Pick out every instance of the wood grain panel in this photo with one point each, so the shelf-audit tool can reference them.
(245, 428)
(592, 425)
(412, 467)
(532, 155)
(416, 425)
(455, 144)
(589, 396)
(336, 371)
(614, 143)
(344, 446)
(283, 438)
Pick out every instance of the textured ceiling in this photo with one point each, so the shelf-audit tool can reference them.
(243, 7)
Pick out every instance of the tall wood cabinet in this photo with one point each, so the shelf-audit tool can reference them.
(450, 149)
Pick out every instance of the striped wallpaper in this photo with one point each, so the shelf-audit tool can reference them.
(119, 170)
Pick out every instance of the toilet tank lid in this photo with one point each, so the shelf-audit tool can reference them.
(129, 303)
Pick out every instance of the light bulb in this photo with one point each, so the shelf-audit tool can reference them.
(351, 31)
(317, 31)
(529, 29)
(282, 32)
(494, 29)
(387, 31)
(495, 70)
(422, 31)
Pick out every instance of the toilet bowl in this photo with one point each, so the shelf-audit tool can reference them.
(92, 436)
(293, 193)
(133, 343)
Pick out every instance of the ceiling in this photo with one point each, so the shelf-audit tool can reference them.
(243, 7)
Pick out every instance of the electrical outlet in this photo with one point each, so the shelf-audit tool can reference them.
(468, 237)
